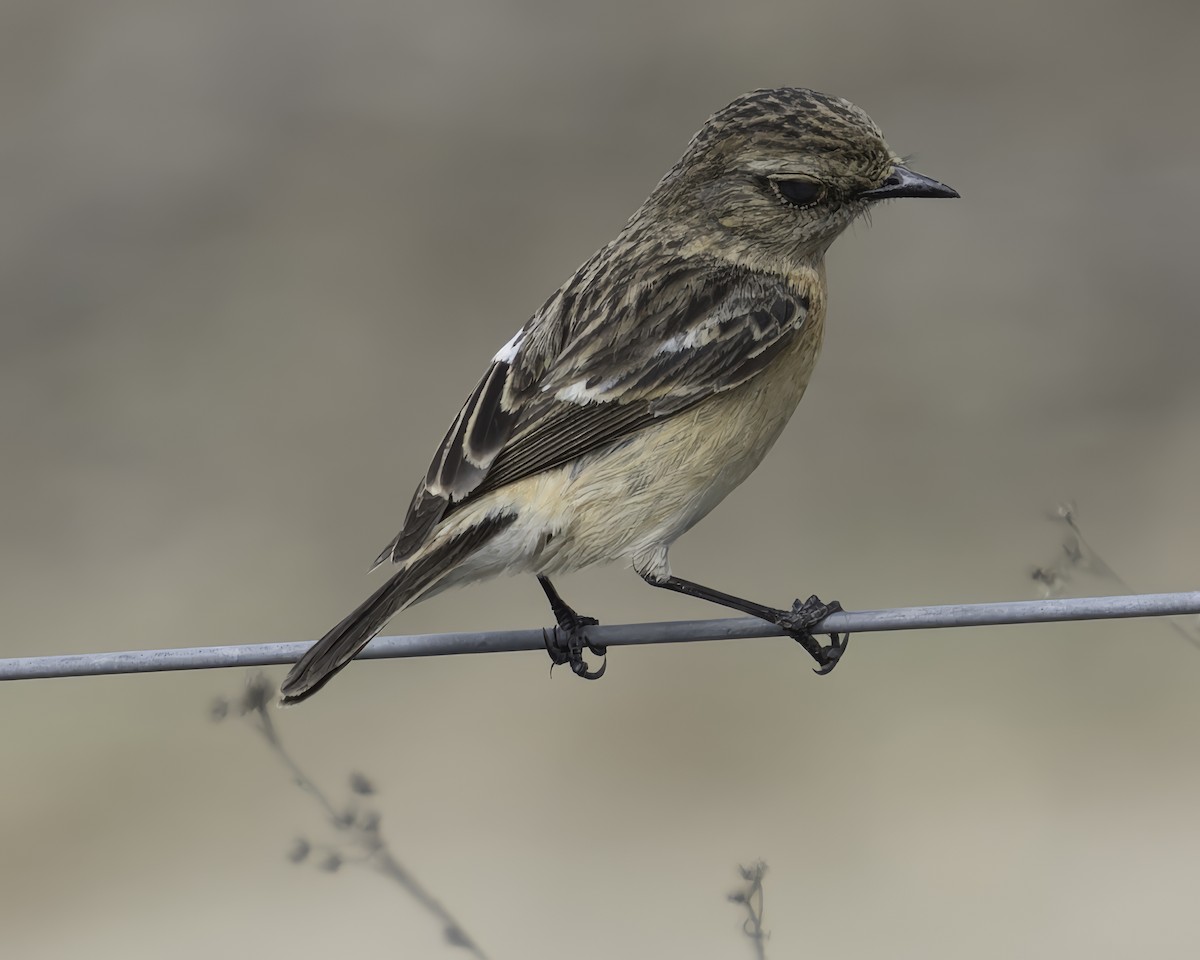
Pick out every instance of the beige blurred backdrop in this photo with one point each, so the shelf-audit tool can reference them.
(253, 254)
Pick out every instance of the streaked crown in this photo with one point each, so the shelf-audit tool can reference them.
(776, 175)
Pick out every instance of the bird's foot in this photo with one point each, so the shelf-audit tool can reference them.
(565, 642)
(798, 623)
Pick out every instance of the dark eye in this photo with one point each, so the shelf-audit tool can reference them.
(799, 193)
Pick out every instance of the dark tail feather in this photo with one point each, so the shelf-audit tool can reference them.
(342, 644)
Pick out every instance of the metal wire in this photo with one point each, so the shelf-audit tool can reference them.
(682, 631)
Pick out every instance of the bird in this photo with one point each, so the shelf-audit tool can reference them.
(650, 384)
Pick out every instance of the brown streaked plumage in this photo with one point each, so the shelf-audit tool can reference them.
(653, 381)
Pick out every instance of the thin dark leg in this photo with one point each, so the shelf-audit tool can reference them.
(797, 622)
(566, 641)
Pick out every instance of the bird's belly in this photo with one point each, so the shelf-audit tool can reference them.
(649, 489)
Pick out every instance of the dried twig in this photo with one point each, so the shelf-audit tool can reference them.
(751, 897)
(361, 838)
(1079, 556)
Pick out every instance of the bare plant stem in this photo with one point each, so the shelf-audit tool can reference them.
(1082, 552)
(751, 897)
(360, 827)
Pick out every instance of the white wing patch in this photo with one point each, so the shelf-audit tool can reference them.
(508, 352)
(697, 336)
(580, 392)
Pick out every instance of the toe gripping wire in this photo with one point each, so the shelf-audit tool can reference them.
(565, 641)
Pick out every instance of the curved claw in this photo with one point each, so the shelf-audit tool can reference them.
(833, 653)
(799, 621)
(571, 651)
(581, 669)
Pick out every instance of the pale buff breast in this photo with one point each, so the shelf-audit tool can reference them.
(634, 501)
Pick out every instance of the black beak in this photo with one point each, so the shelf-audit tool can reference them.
(905, 183)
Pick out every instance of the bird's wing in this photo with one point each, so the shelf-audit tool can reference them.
(588, 370)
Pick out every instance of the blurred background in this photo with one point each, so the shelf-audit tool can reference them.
(253, 255)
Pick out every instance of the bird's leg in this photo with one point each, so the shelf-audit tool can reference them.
(797, 622)
(566, 641)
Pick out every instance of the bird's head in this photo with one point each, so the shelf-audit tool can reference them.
(780, 173)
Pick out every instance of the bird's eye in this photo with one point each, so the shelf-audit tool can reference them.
(798, 193)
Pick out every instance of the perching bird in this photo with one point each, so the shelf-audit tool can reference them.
(651, 383)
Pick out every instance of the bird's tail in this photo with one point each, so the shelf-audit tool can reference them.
(342, 644)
